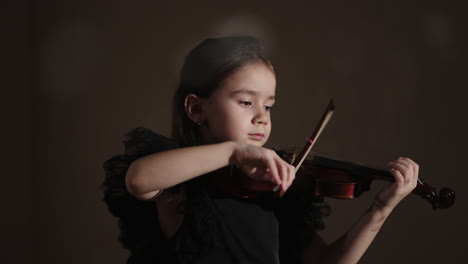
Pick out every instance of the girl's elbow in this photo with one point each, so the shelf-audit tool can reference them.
(137, 183)
(133, 182)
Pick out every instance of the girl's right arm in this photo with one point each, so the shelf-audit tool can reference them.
(147, 176)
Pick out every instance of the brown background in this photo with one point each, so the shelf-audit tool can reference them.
(79, 74)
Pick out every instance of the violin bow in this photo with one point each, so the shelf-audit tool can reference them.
(297, 162)
(318, 130)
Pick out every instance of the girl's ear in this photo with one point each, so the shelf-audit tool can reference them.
(193, 108)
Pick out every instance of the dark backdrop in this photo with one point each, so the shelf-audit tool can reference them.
(79, 74)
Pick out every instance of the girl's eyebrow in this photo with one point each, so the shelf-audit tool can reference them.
(250, 92)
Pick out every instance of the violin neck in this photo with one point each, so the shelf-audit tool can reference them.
(352, 168)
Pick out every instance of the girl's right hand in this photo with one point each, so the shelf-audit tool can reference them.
(263, 164)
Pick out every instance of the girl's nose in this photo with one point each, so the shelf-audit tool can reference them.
(261, 117)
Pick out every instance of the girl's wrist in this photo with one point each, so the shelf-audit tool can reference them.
(379, 210)
(232, 150)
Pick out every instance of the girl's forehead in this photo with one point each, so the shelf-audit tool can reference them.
(255, 78)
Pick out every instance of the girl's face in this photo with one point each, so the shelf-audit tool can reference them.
(239, 110)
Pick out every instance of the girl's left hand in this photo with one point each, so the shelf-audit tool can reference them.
(406, 173)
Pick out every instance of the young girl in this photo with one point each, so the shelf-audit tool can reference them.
(166, 196)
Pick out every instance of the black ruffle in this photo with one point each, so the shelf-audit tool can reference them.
(138, 220)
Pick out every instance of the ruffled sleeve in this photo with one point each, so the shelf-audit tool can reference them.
(138, 221)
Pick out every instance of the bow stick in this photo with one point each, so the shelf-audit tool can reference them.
(318, 130)
(297, 162)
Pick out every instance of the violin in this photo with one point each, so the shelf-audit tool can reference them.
(348, 180)
(325, 177)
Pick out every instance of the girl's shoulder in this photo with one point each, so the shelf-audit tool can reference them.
(142, 141)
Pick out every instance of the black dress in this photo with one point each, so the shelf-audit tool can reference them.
(217, 227)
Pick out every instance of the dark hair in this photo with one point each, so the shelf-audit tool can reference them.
(204, 70)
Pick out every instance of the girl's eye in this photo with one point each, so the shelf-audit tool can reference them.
(246, 103)
(268, 108)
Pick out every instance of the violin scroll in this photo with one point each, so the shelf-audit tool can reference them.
(445, 199)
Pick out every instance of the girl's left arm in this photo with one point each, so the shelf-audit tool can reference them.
(351, 246)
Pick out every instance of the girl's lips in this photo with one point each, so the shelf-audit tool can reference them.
(257, 136)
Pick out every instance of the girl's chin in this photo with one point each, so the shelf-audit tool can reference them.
(255, 143)
(258, 143)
